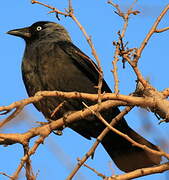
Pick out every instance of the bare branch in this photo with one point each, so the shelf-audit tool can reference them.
(27, 155)
(134, 143)
(14, 114)
(115, 74)
(118, 51)
(141, 172)
(98, 140)
(161, 30)
(50, 7)
(4, 174)
(151, 32)
(94, 170)
(153, 100)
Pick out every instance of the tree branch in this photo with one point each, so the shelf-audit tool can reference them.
(140, 172)
(151, 32)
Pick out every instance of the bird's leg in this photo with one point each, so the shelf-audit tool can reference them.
(59, 131)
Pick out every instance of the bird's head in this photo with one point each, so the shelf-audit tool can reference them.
(42, 30)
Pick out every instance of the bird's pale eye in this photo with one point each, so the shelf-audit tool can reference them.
(39, 28)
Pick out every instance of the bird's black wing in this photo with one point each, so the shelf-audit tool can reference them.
(120, 150)
(83, 62)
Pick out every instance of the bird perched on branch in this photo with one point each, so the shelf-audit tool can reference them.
(52, 62)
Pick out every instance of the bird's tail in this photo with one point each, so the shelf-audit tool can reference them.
(126, 156)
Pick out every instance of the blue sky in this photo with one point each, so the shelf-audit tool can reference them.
(58, 155)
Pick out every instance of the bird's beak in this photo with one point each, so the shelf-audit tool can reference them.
(23, 32)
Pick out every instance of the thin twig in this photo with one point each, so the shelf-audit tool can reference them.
(98, 140)
(29, 173)
(94, 53)
(115, 74)
(50, 7)
(57, 109)
(141, 172)
(10, 117)
(162, 30)
(125, 17)
(27, 156)
(134, 143)
(4, 174)
(94, 170)
(137, 72)
(125, 136)
(151, 32)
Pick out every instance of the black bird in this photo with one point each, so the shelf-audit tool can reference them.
(52, 62)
